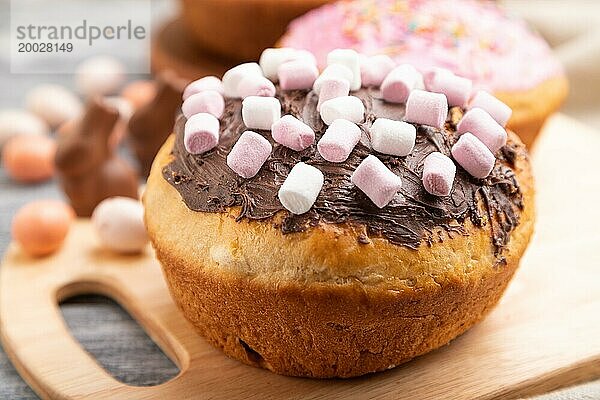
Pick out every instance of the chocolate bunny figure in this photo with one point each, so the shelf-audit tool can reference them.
(88, 168)
(152, 124)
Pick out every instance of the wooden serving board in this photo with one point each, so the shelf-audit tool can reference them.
(544, 334)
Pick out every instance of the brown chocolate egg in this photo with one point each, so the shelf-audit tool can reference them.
(40, 227)
(29, 158)
(139, 93)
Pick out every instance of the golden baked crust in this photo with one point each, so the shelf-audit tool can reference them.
(317, 303)
(532, 107)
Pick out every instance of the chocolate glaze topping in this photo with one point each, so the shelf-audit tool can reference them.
(206, 183)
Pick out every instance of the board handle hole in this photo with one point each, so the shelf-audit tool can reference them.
(131, 357)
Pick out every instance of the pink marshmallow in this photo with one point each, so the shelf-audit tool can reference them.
(473, 156)
(339, 140)
(496, 108)
(373, 70)
(255, 85)
(293, 133)
(438, 174)
(376, 181)
(249, 154)
(332, 88)
(456, 88)
(209, 101)
(206, 83)
(201, 133)
(297, 74)
(482, 125)
(398, 84)
(426, 108)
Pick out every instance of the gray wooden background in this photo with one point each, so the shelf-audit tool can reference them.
(100, 325)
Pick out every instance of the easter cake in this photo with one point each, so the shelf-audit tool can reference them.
(474, 39)
(309, 226)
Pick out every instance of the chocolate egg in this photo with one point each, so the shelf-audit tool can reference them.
(99, 76)
(119, 223)
(40, 227)
(139, 93)
(54, 104)
(29, 159)
(14, 122)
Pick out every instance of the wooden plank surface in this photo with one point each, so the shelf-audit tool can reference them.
(544, 334)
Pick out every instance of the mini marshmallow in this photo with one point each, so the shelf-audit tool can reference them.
(484, 127)
(333, 71)
(456, 89)
(496, 108)
(271, 59)
(249, 154)
(203, 84)
(233, 77)
(438, 174)
(396, 138)
(373, 70)
(332, 88)
(201, 133)
(376, 181)
(474, 156)
(260, 112)
(301, 188)
(254, 85)
(293, 133)
(208, 101)
(350, 59)
(339, 140)
(297, 74)
(347, 107)
(426, 108)
(398, 84)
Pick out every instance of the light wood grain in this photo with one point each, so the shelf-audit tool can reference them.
(544, 334)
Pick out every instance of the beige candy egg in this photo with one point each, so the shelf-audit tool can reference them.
(139, 93)
(99, 76)
(119, 223)
(14, 122)
(29, 158)
(40, 227)
(55, 104)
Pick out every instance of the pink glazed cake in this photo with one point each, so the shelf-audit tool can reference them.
(474, 39)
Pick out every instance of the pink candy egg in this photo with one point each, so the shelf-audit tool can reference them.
(29, 158)
(40, 227)
(139, 93)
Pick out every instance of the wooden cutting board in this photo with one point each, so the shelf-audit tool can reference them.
(544, 334)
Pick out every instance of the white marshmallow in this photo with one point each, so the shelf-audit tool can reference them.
(119, 224)
(99, 76)
(333, 71)
(301, 188)
(350, 108)
(260, 112)
(271, 59)
(54, 104)
(351, 59)
(396, 138)
(398, 84)
(373, 70)
(306, 56)
(232, 78)
(14, 122)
